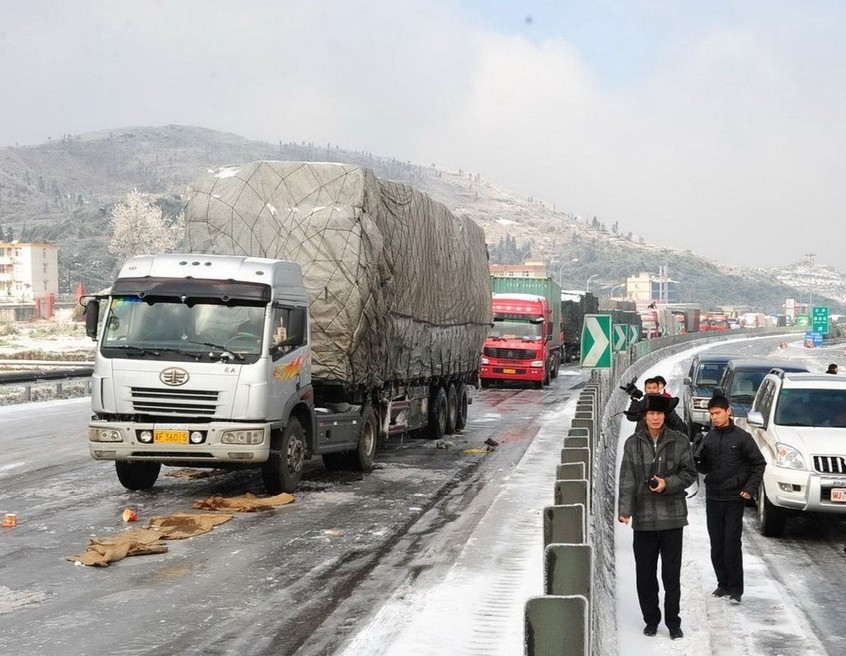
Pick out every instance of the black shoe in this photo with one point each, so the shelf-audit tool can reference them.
(676, 633)
(720, 592)
(650, 630)
(735, 598)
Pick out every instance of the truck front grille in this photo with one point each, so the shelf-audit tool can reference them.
(151, 400)
(830, 464)
(510, 354)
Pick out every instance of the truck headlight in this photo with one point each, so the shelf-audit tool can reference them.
(485, 360)
(104, 435)
(537, 363)
(242, 437)
(788, 457)
(145, 436)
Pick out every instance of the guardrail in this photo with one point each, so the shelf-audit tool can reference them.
(26, 380)
(572, 617)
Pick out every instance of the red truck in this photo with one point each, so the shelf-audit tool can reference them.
(522, 344)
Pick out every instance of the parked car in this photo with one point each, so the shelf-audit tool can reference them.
(798, 421)
(706, 370)
(742, 378)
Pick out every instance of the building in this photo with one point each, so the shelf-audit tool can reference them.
(532, 268)
(29, 272)
(647, 287)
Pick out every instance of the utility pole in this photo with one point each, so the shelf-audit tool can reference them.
(810, 257)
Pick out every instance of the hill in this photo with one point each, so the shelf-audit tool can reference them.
(62, 192)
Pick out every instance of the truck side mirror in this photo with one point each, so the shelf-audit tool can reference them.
(92, 317)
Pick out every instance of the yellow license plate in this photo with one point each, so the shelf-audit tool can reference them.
(170, 436)
(509, 371)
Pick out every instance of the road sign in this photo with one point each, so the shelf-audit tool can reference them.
(803, 320)
(813, 338)
(596, 341)
(819, 319)
(620, 336)
(634, 334)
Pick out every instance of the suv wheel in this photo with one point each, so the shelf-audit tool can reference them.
(771, 520)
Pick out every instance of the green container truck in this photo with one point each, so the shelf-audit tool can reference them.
(551, 291)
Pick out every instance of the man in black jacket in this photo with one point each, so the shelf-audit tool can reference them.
(635, 409)
(734, 467)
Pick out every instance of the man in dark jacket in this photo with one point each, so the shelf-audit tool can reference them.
(734, 467)
(656, 469)
(635, 410)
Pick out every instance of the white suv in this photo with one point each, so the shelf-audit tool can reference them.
(799, 422)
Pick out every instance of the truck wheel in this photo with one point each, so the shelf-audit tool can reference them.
(282, 471)
(485, 383)
(135, 475)
(362, 458)
(436, 428)
(452, 409)
(771, 520)
(461, 415)
(555, 364)
(546, 376)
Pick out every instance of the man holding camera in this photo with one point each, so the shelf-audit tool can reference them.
(657, 467)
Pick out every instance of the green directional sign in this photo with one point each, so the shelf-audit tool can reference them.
(803, 320)
(634, 334)
(596, 341)
(619, 337)
(819, 319)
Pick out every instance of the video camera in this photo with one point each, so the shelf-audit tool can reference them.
(631, 389)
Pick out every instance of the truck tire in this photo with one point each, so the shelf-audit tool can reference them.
(361, 459)
(546, 376)
(452, 409)
(771, 520)
(436, 428)
(134, 475)
(282, 471)
(461, 415)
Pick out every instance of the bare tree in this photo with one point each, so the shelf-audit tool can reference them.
(139, 228)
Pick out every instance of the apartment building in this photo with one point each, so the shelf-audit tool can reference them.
(29, 272)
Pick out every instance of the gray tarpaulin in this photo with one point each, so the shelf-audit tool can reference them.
(399, 286)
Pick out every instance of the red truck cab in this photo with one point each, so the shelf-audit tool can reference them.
(518, 347)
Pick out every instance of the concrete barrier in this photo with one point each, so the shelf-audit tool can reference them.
(572, 492)
(577, 454)
(570, 471)
(564, 524)
(567, 569)
(556, 626)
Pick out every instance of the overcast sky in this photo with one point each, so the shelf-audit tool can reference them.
(714, 126)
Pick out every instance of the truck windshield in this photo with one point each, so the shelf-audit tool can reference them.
(516, 329)
(151, 326)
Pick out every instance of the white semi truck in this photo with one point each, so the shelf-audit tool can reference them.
(360, 314)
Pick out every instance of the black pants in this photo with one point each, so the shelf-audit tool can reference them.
(648, 545)
(725, 526)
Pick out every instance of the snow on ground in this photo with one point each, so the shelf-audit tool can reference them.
(478, 607)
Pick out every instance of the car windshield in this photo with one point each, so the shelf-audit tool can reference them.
(745, 384)
(811, 407)
(709, 373)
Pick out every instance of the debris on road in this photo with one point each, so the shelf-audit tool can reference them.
(473, 450)
(491, 442)
(129, 515)
(244, 503)
(148, 539)
(10, 520)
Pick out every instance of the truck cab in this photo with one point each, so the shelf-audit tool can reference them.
(518, 345)
(204, 361)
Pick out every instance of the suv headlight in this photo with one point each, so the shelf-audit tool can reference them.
(788, 457)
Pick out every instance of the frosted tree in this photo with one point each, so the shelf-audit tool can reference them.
(139, 228)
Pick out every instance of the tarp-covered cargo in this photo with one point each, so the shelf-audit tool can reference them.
(399, 286)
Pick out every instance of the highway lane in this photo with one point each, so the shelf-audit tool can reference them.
(281, 582)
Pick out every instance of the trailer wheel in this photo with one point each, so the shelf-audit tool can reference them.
(134, 475)
(461, 415)
(771, 520)
(436, 428)
(282, 471)
(452, 409)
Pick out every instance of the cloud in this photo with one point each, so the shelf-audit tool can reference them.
(715, 128)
